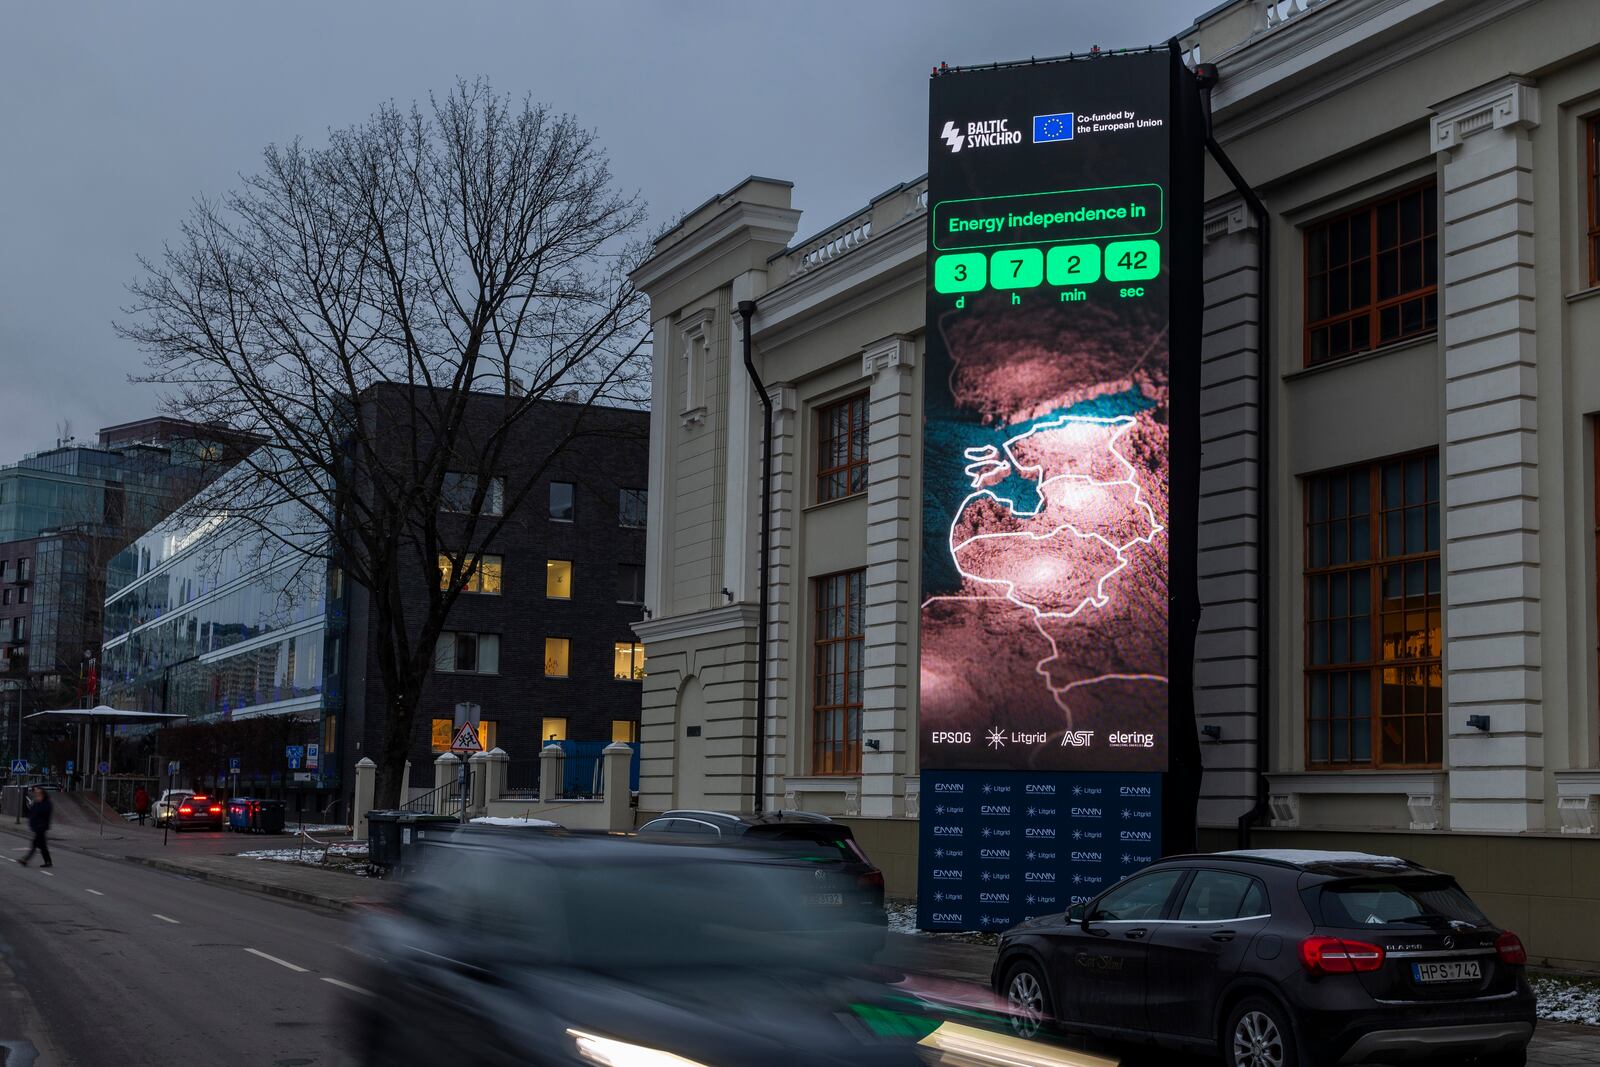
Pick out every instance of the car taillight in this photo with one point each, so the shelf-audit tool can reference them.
(186, 810)
(870, 880)
(1509, 947)
(1337, 955)
(216, 809)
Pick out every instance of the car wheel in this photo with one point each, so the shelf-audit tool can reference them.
(1028, 998)
(1260, 1034)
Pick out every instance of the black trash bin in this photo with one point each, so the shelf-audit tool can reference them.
(383, 838)
(266, 816)
(390, 835)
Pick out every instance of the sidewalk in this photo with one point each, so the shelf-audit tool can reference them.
(210, 857)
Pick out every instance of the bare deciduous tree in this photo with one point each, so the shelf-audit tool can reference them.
(346, 305)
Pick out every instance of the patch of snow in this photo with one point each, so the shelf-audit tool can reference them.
(1566, 1000)
(317, 828)
(1303, 856)
(902, 915)
(497, 820)
(285, 855)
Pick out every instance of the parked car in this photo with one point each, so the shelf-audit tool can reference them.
(1279, 958)
(563, 948)
(199, 812)
(844, 876)
(167, 806)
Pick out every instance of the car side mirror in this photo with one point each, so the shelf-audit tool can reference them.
(1076, 913)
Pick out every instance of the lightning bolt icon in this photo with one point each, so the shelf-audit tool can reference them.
(953, 137)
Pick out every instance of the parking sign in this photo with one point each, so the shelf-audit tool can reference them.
(313, 754)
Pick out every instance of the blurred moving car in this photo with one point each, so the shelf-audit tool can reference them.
(167, 806)
(198, 812)
(843, 876)
(562, 948)
(1279, 958)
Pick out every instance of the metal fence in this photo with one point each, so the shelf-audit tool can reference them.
(582, 772)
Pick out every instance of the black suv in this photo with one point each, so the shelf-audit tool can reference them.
(843, 875)
(1279, 958)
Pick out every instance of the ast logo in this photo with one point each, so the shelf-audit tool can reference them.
(1047, 833)
(1078, 738)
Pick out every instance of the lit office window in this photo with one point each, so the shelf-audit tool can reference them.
(557, 656)
(628, 661)
(486, 577)
(625, 730)
(552, 729)
(558, 579)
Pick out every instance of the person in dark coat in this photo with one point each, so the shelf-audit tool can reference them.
(39, 823)
(141, 803)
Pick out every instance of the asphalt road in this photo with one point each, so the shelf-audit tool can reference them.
(107, 963)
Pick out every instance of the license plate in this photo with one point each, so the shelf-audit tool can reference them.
(824, 900)
(1453, 971)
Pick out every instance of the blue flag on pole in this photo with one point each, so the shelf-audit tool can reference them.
(1052, 127)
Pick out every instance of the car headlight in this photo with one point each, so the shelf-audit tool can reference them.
(613, 1053)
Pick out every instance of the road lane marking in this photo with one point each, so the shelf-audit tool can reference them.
(347, 985)
(281, 963)
(47, 874)
(165, 919)
(96, 892)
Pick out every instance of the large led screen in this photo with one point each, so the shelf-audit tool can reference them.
(1046, 474)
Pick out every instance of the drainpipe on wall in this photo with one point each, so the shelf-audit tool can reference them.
(1207, 75)
(747, 308)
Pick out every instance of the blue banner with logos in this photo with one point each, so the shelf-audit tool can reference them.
(998, 847)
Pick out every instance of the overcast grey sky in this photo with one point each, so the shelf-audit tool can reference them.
(116, 115)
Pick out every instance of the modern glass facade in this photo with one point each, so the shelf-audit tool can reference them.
(214, 627)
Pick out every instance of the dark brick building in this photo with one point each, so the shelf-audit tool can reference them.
(545, 646)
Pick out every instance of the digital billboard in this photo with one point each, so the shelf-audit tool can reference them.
(1047, 448)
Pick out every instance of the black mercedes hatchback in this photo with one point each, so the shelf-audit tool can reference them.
(1279, 958)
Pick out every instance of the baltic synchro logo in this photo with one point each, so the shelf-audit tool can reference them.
(988, 133)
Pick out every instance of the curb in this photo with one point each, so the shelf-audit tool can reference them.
(299, 896)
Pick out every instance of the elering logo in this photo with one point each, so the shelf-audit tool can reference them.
(953, 137)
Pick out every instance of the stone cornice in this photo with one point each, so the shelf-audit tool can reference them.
(1509, 103)
(738, 221)
(893, 351)
(814, 299)
(1268, 78)
(695, 624)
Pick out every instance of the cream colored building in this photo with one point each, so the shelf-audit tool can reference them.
(1430, 504)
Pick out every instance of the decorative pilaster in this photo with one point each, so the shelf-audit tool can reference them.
(1490, 458)
(885, 714)
(782, 714)
(1227, 644)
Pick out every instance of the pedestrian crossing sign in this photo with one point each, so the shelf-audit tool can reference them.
(19, 766)
(466, 738)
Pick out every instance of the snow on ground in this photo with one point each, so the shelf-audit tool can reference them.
(496, 820)
(285, 855)
(1567, 1000)
(902, 916)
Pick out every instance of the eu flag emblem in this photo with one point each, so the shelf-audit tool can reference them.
(1052, 127)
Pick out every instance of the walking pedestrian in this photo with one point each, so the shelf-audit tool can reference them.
(141, 803)
(39, 823)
